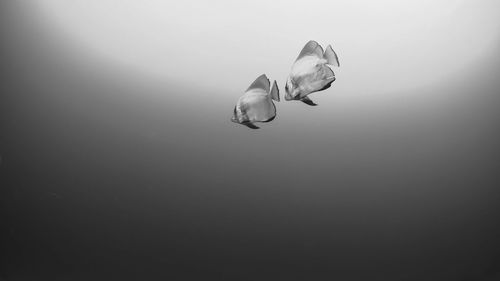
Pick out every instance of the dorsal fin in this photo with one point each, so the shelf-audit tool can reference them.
(331, 57)
(312, 48)
(260, 83)
(275, 92)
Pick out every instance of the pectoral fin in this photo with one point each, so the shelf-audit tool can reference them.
(328, 85)
(329, 82)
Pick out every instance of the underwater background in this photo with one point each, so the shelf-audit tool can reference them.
(118, 159)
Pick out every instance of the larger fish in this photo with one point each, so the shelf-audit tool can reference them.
(256, 104)
(310, 72)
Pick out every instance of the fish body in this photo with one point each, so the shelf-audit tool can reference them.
(256, 104)
(310, 72)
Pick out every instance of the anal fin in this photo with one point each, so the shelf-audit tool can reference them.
(250, 125)
(327, 85)
(270, 119)
(308, 101)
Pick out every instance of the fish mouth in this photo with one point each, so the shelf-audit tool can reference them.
(289, 97)
(290, 91)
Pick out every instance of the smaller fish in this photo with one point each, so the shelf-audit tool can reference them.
(310, 72)
(256, 104)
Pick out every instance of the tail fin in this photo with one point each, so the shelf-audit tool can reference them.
(275, 92)
(331, 56)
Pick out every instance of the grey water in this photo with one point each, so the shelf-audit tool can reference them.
(107, 173)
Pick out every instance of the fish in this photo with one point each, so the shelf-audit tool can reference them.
(256, 104)
(310, 72)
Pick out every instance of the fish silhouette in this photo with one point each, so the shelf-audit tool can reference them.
(310, 72)
(256, 104)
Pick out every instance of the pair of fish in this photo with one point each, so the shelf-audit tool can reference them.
(310, 73)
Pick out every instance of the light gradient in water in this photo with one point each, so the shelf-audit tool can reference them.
(119, 160)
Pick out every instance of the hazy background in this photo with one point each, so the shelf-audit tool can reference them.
(118, 160)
